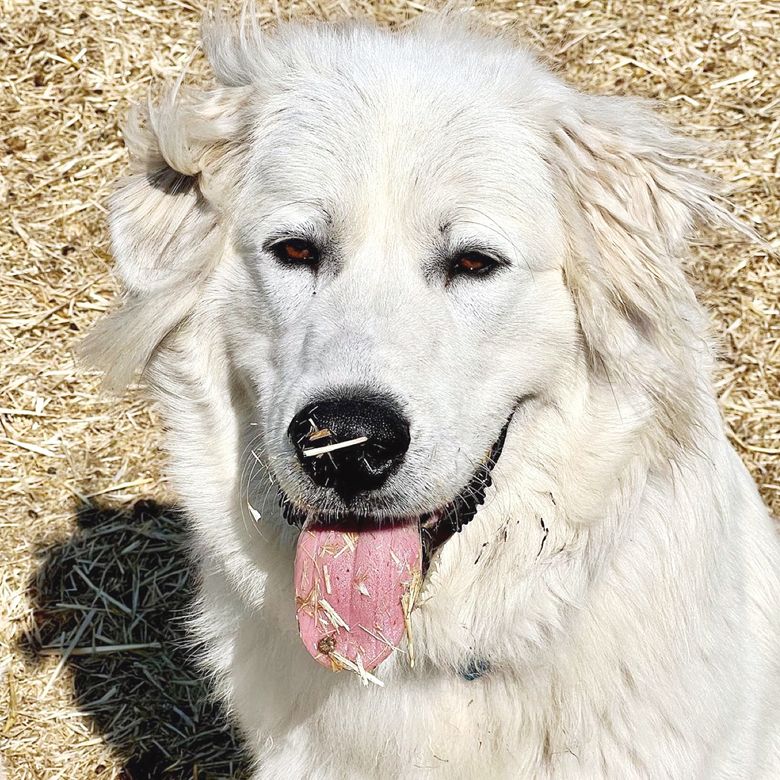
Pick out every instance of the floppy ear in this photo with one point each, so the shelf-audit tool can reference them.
(630, 197)
(166, 221)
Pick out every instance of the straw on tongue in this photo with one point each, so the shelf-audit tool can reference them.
(353, 591)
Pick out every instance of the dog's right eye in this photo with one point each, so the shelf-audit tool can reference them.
(296, 251)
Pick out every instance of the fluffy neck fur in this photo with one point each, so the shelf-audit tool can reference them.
(588, 523)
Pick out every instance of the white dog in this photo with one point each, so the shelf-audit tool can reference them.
(409, 291)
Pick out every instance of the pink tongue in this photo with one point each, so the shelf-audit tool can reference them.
(349, 591)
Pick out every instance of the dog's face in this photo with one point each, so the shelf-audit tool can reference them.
(400, 266)
(401, 246)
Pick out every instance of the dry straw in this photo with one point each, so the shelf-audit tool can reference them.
(93, 681)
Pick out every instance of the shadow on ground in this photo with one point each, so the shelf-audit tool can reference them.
(112, 600)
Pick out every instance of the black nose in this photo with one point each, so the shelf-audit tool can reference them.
(350, 444)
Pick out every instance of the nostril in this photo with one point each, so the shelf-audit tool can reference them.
(350, 444)
(380, 456)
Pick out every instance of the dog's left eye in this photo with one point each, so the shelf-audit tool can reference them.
(472, 264)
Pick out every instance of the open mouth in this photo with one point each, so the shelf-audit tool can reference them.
(436, 526)
(357, 580)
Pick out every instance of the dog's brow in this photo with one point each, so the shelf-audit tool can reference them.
(308, 224)
(314, 210)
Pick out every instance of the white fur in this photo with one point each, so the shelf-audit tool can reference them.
(622, 577)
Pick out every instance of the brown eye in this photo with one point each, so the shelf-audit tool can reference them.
(472, 264)
(296, 251)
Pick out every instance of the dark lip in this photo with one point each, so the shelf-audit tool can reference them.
(436, 526)
(462, 510)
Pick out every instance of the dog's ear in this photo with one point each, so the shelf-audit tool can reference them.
(166, 220)
(630, 195)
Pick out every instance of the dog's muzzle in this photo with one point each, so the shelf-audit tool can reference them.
(436, 526)
(357, 577)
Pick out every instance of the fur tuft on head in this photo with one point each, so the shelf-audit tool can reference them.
(166, 221)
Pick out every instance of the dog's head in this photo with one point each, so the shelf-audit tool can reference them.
(398, 246)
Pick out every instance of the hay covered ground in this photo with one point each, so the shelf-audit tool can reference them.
(94, 680)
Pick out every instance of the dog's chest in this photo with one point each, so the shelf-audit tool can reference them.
(461, 722)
